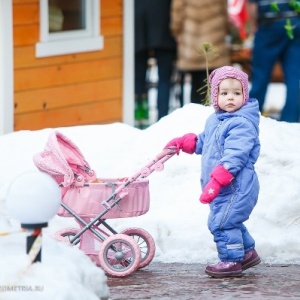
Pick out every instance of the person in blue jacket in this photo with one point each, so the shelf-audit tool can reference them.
(229, 147)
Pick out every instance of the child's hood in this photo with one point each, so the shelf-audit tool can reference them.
(250, 111)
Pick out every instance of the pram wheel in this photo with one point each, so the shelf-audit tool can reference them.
(145, 242)
(119, 255)
(65, 235)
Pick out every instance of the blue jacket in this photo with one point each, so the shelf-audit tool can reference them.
(232, 140)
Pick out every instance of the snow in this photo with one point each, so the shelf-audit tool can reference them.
(176, 219)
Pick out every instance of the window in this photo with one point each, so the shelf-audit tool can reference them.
(69, 27)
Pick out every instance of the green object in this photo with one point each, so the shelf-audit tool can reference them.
(295, 5)
(289, 29)
(145, 109)
(288, 25)
(274, 7)
(145, 113)
(141, 112)
(138, 113)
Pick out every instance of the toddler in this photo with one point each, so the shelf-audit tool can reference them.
(229, 147)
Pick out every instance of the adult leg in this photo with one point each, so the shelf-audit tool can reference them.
(265, 53)
(291, 68)
(141, 89)
(140, 72)
(198, 81)
(181, 83)
(165, 64)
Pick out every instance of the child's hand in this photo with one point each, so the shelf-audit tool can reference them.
(210, 192)
(220, 177)
(186, 143)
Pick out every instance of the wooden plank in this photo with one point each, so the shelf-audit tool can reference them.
(111, 8)
(25, 56)
(16, 2)
(50, 76)
(67, 96)
(91, 113)
(111, 26)
(25, 14)
(26, 35)
(108, 8)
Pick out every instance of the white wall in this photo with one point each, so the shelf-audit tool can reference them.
(128, 62)
(6, 68)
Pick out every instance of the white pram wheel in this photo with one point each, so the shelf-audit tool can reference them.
(145, 242)
(65, 235)
(119, 255)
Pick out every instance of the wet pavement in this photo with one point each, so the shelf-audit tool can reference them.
(189, 282)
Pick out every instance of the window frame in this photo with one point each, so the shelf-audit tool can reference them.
(74, 41)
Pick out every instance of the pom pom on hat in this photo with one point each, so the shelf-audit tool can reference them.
(222, 73)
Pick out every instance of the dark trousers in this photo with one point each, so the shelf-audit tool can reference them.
(165, 64)
(198, 81)
(272, 44)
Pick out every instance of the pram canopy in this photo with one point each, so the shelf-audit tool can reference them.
(82, 190)
(63, 160)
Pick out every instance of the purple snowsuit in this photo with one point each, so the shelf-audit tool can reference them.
(232, 140)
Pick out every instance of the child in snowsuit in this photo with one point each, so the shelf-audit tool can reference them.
(230, 147)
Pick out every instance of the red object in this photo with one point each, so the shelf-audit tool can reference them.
(186, 143)
(238, 16)
(220, 177)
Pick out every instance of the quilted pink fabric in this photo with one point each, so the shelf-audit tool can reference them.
(222, 73)
(63, 160)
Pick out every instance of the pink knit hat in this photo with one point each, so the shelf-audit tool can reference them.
(222, 73)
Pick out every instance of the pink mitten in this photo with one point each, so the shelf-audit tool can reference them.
(186, 143)
(220, 177)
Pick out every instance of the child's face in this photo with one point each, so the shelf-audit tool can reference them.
(230, 96)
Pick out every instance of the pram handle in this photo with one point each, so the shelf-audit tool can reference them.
(156, 164)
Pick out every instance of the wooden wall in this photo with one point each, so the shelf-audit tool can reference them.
(75, 89)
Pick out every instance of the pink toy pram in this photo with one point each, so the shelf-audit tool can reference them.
(91, 201)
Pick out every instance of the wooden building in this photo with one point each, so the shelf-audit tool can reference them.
(64, 63)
